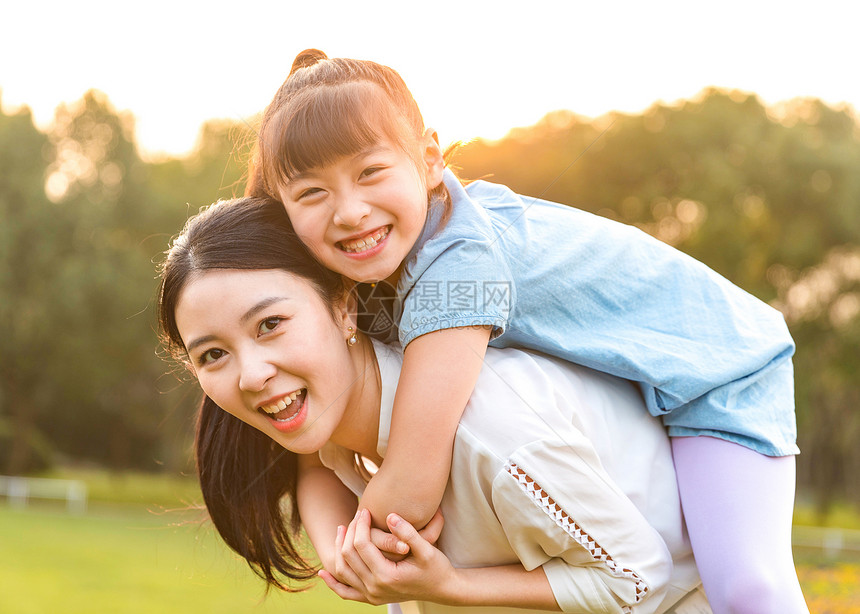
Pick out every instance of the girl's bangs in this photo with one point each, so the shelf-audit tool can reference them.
(325, 124)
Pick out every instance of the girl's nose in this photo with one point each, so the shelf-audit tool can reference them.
(256, 372)
(350, 212)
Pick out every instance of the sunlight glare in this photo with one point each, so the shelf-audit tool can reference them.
(476, 69)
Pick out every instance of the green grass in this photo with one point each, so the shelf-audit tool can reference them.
(140, 549)
(130, 561)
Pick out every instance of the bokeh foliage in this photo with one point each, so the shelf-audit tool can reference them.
(767, 196)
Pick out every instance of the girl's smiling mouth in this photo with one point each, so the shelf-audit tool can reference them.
(288, 413)
(365, 243)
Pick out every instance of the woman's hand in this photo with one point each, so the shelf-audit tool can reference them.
(389, 545)
(363, 573)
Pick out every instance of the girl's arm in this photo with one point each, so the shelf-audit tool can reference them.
(439, 373)
(326, 506)
(427, 575)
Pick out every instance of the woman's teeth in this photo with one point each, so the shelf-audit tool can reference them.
(277, 408)
(365, 243)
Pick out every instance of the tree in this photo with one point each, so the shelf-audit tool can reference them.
(29, 247)
(107, 285)
(77, 282)
(214, 170)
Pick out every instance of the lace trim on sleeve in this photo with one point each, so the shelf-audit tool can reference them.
(539, 496)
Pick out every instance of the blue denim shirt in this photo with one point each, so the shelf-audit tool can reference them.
(709, 357)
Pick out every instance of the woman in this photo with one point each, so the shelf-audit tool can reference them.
(556, 499)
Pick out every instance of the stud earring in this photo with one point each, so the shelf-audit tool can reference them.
(353, 339)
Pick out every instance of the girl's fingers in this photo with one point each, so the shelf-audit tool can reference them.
(342, 590)
(387, 542)
(338, 539)
(419, 546)
(433, 529)
(370, 554)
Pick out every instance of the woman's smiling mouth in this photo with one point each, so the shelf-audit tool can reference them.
(286, 409)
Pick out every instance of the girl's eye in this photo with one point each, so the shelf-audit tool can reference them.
(309, 192)
(210, 356)
(268, 325)
(370, 171)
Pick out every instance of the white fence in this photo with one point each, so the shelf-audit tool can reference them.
(833, 542)
(19, 490)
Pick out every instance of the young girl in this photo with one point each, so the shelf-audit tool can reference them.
(343, 146)
(562, 492)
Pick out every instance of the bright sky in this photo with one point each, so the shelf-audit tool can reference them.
(475, 68)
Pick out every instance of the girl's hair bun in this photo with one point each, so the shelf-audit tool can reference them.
(306, 58)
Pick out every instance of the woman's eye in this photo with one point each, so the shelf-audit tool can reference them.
(268, 325)
(210, 356)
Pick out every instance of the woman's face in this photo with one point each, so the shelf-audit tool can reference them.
(266, 348)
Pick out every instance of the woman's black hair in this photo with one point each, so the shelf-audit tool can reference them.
(248, 481)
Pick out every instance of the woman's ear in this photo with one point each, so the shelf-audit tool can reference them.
(434, 159)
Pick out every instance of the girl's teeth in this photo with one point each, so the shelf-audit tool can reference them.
(361, 245)
(293, 395)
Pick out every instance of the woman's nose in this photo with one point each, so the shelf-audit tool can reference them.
(256, 371)
(350, 211)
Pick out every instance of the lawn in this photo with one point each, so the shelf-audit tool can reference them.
(131, 561)
(131, 554)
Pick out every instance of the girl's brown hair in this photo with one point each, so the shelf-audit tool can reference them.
(244, 475)
(328, 108)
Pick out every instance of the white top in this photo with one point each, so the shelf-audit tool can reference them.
(556, 465)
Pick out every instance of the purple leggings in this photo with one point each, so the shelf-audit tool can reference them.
(738, 507)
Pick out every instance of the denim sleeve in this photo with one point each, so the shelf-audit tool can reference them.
(466, 284)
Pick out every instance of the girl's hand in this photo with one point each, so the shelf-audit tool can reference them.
(395, 549)
(389, 545)
(371, 578)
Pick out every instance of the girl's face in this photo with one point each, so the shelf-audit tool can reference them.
(266, 348)
(361, 215)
